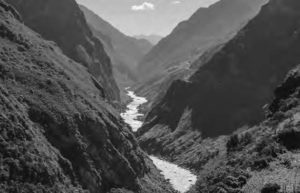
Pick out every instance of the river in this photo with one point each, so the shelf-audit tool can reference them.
(181, 179)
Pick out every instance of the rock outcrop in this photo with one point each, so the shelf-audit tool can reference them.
(58, 134)
(63, 22)
(231, 89)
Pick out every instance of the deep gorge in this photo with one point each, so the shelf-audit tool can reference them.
(180, 179)
(88, 106)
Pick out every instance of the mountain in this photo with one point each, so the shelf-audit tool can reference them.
(198, 38)
(125, 51)
(144, 45)
(201, 31)
(231, 89)
(217, 122)
(263, 158)
(64, 23)
(58, 133)
(153, 39)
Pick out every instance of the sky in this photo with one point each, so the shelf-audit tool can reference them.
(136, 17)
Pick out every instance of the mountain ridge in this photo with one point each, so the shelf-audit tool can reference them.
(154, 39)
(58, 132)
(262, 156)
(229, 90)
(207, 31)
(56, 21)
(125, 51)
(199, 31)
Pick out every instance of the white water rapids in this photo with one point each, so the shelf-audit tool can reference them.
(132, 114)
(181, 179)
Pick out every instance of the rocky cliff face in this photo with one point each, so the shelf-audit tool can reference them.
(63, 22)
(57, 132)
(229, 90)
(124, 51)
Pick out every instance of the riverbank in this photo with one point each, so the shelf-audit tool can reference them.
(180, 179)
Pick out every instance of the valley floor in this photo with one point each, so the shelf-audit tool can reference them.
(180, 179)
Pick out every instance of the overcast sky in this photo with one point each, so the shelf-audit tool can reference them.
(135, 17)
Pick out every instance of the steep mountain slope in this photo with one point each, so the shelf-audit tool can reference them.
(200, 36)
(125, 51)
(153, 39)
(229, 90)
(57, 132)
(144, 45)
(203, 30)
(156, 88)
(264, 158)
(63, 22)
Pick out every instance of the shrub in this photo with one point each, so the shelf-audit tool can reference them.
(237, 142)
(233, 142)
(287, 163)
(290, 138)
(279, 116)
(269, 147)
(223, 179)
(261, 163)
(271, 188)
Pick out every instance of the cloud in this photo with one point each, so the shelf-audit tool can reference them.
(176, 2)
(144, 6)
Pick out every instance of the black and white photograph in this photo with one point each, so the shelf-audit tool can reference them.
(149, 96)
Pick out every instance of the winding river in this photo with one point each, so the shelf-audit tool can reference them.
(181, 179)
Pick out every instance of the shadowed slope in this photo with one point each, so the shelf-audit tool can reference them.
(63, 22)
(124, 51)
(191, 44)
(230, 90)
(57, 132)
(203, 30)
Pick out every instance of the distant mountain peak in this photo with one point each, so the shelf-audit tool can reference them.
(206, 28)
(152, 38)
(124, 51)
